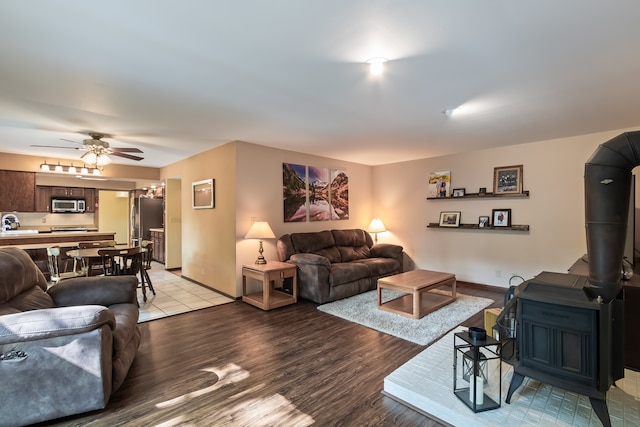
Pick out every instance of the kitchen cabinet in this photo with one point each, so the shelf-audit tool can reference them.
(17, 192)
(157, 237)
(67, 192)
(43, 199)
(44, 193)
(90, 198)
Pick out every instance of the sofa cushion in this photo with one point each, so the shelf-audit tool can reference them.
(19, 273)
(355, 237)
(319, 243)
(345, 272)
(352, 244)
(380, 266)
(352, 253)
(32, 299)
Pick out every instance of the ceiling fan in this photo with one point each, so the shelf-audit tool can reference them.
(97, 150)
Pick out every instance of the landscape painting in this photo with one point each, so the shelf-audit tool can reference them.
(319, 207)
(339, 194)
(294, 192)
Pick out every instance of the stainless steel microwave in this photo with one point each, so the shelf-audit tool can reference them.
(68, 205)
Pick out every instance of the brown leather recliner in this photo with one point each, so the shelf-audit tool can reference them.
(63, 350)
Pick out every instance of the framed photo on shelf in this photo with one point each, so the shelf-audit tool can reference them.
(449, 219)
(482, 191)
(483, 221)
(458, 192)
(440, 184)
(501, 217)
(507, 180)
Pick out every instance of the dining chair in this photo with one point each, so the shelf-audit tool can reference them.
(53, 261)
(147, 256)
(124, 262)
(93, 267)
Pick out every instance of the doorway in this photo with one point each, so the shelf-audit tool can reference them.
(114, 214)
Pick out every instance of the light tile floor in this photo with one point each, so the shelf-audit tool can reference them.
(175, 295)
(426, 383)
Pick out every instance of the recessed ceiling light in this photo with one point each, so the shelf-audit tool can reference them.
(376, 65)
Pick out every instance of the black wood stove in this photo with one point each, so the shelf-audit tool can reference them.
(570, 329)
(568, 339)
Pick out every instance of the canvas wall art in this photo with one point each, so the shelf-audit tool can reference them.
(339, 195)
(439, 184)
(319, 208)
(294, 192)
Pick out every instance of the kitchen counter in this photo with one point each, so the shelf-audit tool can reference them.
(42, 240)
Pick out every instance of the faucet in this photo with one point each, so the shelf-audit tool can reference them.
(10, 222)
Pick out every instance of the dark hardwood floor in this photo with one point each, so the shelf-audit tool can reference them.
(235, 365)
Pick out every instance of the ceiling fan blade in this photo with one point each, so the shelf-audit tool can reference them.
(68, 140)
(55, 146)
(126, 150)
(127, 156)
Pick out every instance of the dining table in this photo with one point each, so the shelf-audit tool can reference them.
(87, 254)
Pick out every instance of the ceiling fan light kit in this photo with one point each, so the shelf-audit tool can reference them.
(97, 153)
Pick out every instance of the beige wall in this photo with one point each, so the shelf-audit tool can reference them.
(553, 173)
(259, 196)
(173, 223)
(208, 235)
(248, 179)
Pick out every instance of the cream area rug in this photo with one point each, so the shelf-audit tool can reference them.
(363, 309)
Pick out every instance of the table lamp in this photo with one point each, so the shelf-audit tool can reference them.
(260, 230)
(376, 227)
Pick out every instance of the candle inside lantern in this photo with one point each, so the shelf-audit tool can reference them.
(479, 389)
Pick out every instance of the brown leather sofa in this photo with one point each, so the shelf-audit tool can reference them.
(336, 264)
(63, 350)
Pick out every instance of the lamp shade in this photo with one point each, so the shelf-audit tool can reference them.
(260, 230)
(376, 226)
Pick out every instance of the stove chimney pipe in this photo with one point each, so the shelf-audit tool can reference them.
(607, 184)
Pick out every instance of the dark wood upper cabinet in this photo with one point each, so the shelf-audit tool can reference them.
(17, 192)
(43, 198)
(67, 192)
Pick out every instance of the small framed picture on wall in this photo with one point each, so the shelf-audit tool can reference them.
(458, 192)
(449, 219)
(501, 217)
(507, 180)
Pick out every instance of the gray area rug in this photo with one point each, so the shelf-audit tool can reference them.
(363, 309)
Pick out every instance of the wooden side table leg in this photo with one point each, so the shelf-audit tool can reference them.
(266, 286)
(379, 295)
(416, 304)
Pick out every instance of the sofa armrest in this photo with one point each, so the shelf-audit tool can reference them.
(313, 276)
(310, 259)
(98, 290)
(53, 322)
(386, 250)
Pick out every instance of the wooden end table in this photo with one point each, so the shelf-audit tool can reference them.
(417, 301)
(269, 297)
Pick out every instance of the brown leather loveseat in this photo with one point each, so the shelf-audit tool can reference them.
(336, 264)
(64, 350)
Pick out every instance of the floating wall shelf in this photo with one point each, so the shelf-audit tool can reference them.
(476, 227)
(483, 196)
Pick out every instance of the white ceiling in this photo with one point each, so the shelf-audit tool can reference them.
(175, 78)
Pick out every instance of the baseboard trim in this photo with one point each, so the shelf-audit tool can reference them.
(209, 287)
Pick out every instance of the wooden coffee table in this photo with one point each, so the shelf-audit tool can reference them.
(416, 284)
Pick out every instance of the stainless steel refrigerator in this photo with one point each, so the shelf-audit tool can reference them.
(146, 213)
